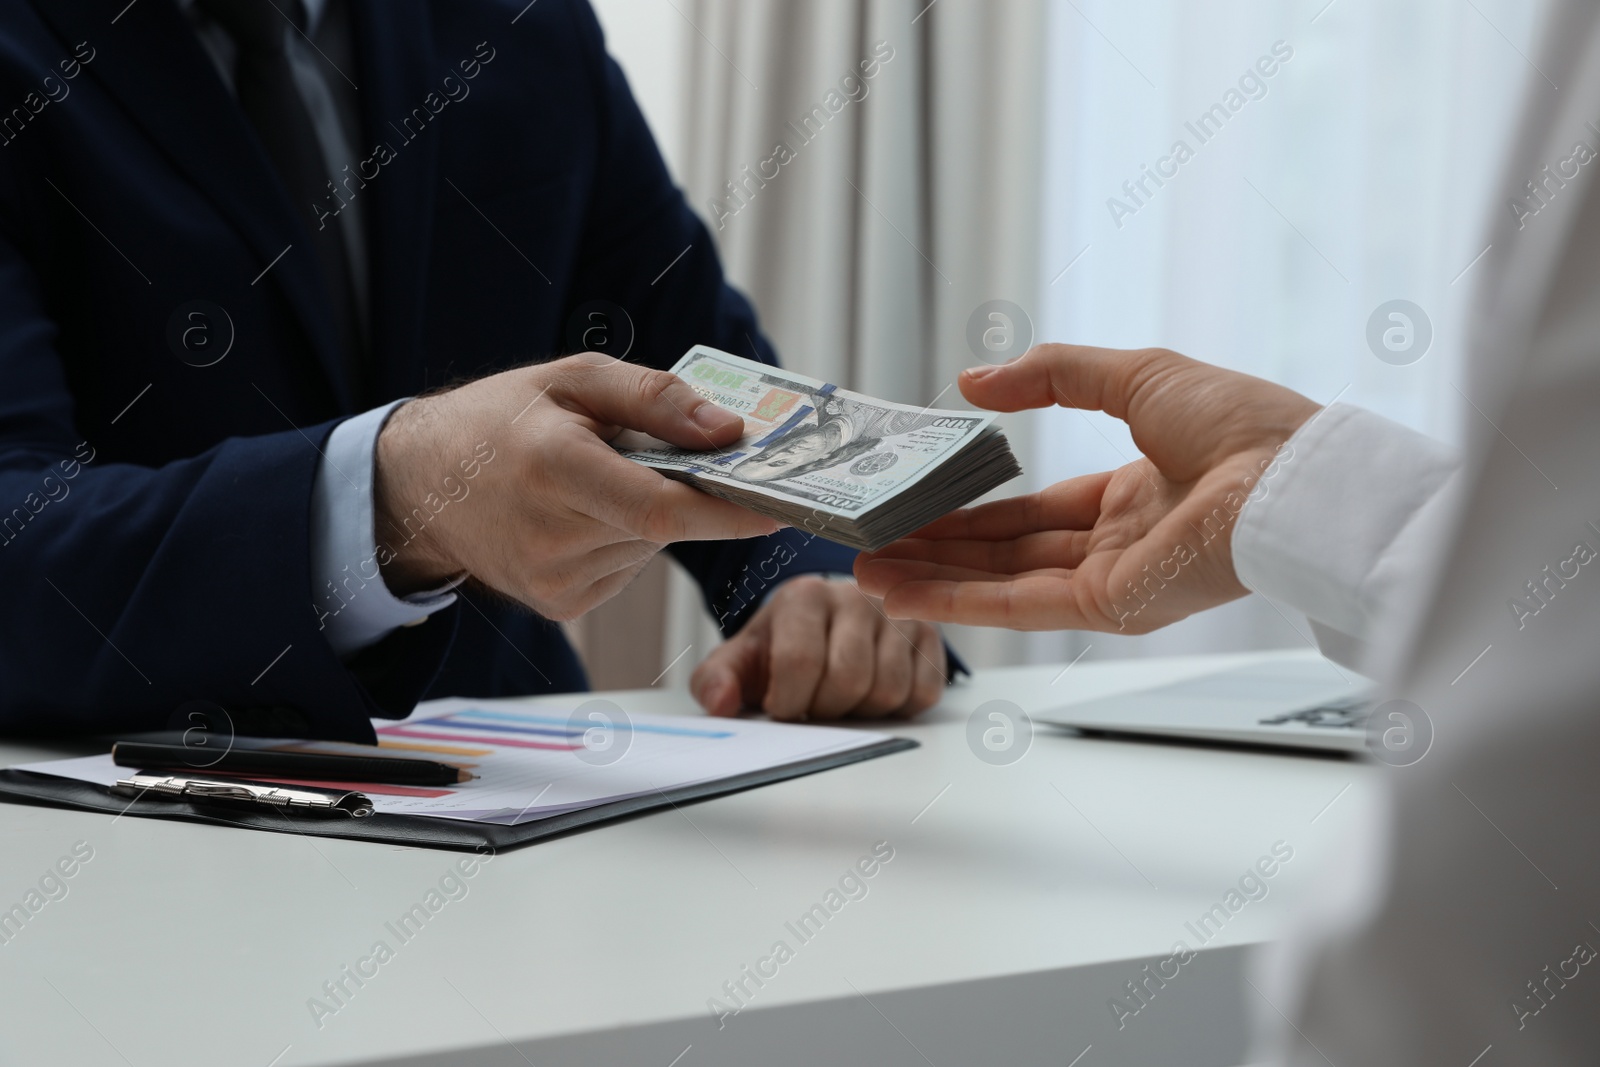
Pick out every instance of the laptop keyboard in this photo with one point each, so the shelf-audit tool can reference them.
(1340, 715)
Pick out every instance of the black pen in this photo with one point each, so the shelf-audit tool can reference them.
(313, 766)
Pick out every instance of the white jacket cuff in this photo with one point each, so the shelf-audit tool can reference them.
(1335, 521)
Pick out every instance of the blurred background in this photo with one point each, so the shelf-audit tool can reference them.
(908, 188)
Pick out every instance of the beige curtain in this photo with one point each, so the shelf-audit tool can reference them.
(870, 170)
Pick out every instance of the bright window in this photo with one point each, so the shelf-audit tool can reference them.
(1247, 183)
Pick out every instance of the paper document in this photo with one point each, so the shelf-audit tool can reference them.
(533, 763)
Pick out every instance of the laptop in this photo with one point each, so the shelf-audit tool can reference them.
(1286, 703)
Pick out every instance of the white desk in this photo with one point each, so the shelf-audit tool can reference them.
(998, 933)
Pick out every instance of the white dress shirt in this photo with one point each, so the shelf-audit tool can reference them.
(1464, 927)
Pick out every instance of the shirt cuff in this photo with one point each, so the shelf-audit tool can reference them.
(354, 606)
(1333, 525)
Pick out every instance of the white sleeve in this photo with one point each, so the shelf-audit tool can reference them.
(355, 607)
(1337, 528)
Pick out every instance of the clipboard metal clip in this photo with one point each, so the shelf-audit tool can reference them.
(313, 801)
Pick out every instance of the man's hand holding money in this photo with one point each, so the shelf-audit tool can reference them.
(567, 522)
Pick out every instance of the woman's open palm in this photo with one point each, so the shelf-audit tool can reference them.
(1126, 550)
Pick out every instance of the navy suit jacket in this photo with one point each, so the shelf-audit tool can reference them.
(154, 543)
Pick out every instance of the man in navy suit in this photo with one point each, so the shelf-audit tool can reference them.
(249, 252)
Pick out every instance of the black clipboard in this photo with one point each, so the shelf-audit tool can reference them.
(419, 831)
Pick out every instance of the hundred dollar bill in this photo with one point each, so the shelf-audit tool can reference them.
(859, 470)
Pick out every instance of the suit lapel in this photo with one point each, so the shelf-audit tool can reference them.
(395, 54)
(153, 64)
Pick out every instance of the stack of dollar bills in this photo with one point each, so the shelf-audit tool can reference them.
(850, 468)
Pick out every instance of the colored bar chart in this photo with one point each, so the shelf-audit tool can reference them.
(498, 742)
(485, 714)
(441, 750)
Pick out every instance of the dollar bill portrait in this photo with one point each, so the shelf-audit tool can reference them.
(844, 430)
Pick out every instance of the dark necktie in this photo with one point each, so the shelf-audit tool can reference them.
(264, 83)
